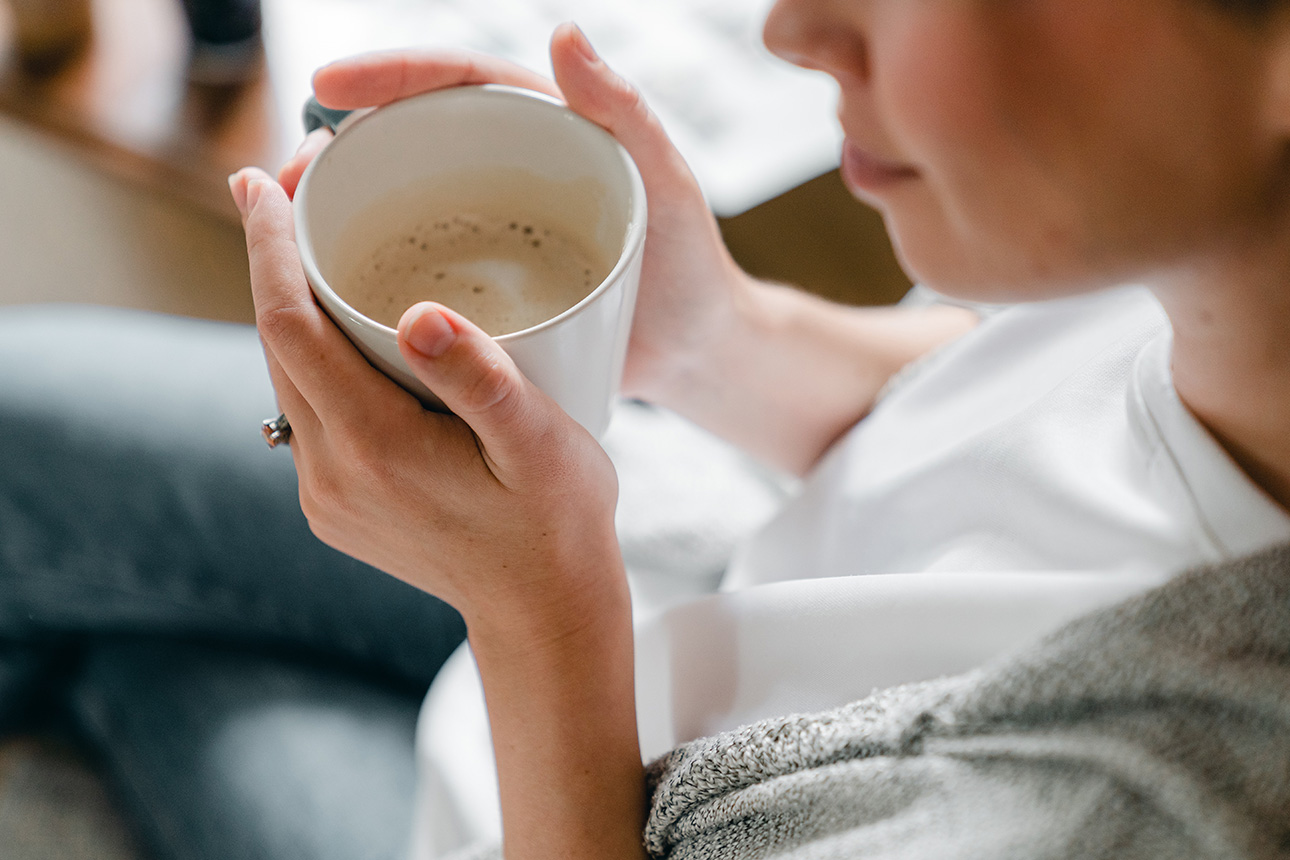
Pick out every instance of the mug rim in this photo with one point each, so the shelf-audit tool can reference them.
(636, 225)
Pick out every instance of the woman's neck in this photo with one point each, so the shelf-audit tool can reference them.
(1231, 361)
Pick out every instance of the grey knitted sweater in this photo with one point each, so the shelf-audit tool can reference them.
(1157, 729)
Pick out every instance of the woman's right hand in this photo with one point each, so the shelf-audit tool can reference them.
(689, 283)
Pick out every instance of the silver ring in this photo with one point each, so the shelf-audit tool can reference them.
(276, 431)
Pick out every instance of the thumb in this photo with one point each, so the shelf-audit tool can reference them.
(596, 92)
(476, 379)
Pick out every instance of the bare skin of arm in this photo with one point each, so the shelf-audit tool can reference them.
(790, 373)
(562, 714)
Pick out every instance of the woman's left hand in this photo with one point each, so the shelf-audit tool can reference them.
(503, 509)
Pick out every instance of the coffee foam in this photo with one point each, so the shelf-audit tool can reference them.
(504, 249)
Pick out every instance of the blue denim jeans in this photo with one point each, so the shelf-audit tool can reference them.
(252, 692)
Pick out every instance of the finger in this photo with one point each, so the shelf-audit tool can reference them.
(379, 78)
(477, 380)
(291, 403)
(305, 429)
(595, 91)
(290, 173)
(330, 374)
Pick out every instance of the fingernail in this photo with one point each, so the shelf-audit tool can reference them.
(238, 188)
(253, 189)
(584, 45)
(431, 334)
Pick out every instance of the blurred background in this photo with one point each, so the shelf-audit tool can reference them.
(121, 119)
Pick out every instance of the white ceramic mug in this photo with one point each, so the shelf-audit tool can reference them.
(575, 357)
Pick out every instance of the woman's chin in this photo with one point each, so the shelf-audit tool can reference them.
(946, 265)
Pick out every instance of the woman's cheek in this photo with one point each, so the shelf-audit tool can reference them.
(928, 73)
(936, 121)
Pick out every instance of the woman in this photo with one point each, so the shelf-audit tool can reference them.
(1018, 151)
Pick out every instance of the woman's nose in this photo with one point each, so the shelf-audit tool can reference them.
(814, 34)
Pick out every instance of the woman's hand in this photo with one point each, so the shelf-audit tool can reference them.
(505, 506)
(689, 283)
(504, 510)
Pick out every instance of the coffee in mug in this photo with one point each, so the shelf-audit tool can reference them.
(495, 247)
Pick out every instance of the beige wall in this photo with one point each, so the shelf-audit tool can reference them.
(70, 233)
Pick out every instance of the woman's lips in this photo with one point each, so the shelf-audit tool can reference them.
(870, 175)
